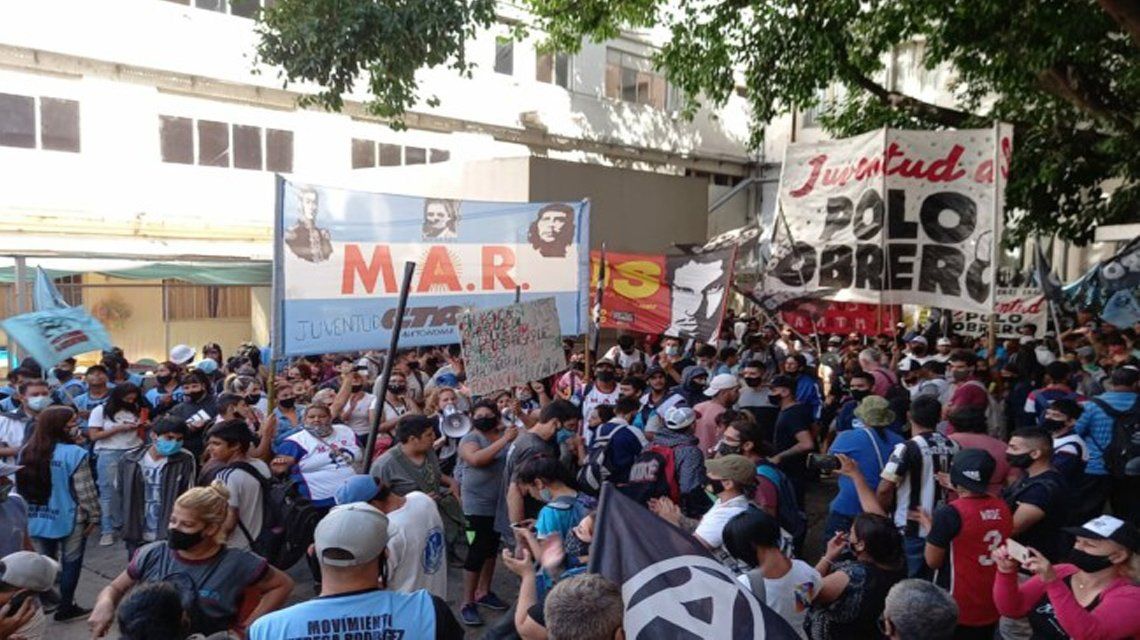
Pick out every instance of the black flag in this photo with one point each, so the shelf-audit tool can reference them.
(673, 589)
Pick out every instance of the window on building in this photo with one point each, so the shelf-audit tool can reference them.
(177, 139)
(363, 154)
(205, 302)
(631, 78)
(391, 155)
(279, 150)
(247, 147)
(415, 155)
(17, 121)
(504, 55)
(59, 124)
(552, 68)
(242, 8)
(439, 155)
(213, 144)
(56, 129)
(71, 288)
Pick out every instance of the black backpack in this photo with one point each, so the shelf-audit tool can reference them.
(1124, 447)
(288, 519)
(792, 519)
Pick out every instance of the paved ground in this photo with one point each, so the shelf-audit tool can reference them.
(102, 564)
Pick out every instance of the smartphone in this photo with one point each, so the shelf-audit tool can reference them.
(17, 601)
(823, 462)
(1016, 550)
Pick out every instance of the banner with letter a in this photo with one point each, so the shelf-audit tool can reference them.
(339, 256)
(894, 217)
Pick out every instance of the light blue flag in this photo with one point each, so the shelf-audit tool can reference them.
(47, 297)
(53, 335)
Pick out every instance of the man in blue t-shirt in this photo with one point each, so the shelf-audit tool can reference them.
(869, 442)
(350, 545)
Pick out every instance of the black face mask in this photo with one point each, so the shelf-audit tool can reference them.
(753, 381)
(484, 424)
(163, 380)
(253, 399)
(1087, 562)
(181, 541)
(575, 546)
(604, 375)
(197, 396)
(63, 376)
(1053, 426)
(858, 394)
(397, 390)
(357, 388)
(1019, 460)
(287, 403)
(716, 486)
(775, 399)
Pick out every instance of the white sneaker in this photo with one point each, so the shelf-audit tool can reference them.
(106, 540)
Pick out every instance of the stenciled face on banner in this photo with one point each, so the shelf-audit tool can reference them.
(906, 217)
(342, 253)
(698, 289)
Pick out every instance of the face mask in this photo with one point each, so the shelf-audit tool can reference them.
(575, 546)
(1053, 426)
(253, 399)
(484, 424)
(321, 431)
(63, 376)
(919, 351)
(39, 403)
(960, 374)
(163, 380)
(397, 390)
(604, 376)
(181, 541)
(697, 385)
(357, 388)
(753, 381)
(166, 447)
(672, 351)
(725, 449)
(197, 396)
(545, 495)
(775, 398)
(287, 403)
(1087, 562)
(525, 396)
(1019, 460)
(859, 394)
(715, 486)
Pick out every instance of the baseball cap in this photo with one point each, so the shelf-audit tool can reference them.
(906, 365)
(919, 339)
(28, 570)
(678, 418)
(182, 354)
(1109, 528)
(1086, 352)
(835, 340)
(943, 342)
(357, 532)
(358, 488)
(782, 381)
(733, 467)
(721, 382)
(606, 362)
(972, 469)
(653, 370)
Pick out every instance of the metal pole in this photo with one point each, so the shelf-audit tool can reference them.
(382, 396)
(21, 298)
(998, 213)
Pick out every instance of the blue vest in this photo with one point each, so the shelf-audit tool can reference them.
(372, 614)
(56, 519)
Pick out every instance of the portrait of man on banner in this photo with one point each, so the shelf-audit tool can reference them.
(552, 231)
(305, 239)
(699, 286)
(441, 219)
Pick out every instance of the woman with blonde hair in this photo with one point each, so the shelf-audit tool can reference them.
(440, 402)
(221, 588)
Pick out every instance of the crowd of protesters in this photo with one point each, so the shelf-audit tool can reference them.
(976, 494)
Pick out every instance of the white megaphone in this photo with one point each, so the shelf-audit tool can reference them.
(454, 424)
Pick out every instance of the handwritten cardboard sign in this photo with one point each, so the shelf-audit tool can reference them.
(511, 345)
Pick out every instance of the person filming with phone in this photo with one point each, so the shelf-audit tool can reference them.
(1092, 595)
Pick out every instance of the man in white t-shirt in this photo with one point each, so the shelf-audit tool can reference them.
(416, 549)
(228, 444)
(624, 353)
(785, 584)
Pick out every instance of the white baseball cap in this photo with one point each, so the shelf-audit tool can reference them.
(181, 354)
(943, 342)
(358, 531)
(721, 382)
(28, 570)
(678, 418)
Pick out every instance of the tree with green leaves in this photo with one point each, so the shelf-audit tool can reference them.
(1065, 73)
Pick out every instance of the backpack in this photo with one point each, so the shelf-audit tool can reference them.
(995, 420)
(791, 518)
(287, 523)
(1124, 446)
(599, 465)
(653, 475)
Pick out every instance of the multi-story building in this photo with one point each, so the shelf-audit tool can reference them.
(143, 130)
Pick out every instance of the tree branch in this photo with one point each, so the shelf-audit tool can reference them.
(1125, 13)
(1068, 84)
(927, 111)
